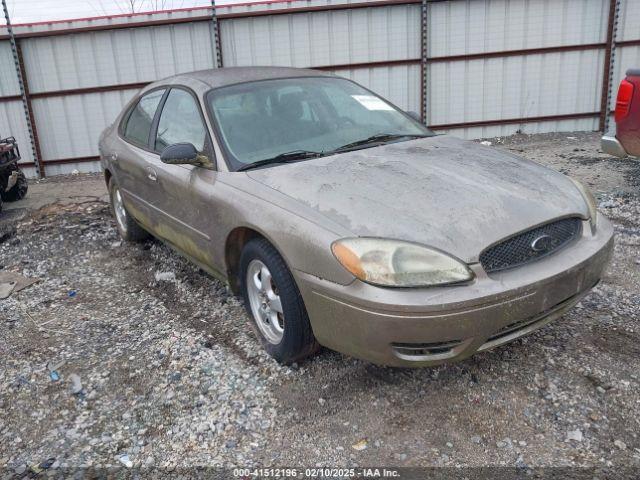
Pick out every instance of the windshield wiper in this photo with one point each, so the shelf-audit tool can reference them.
(285, 157)
(377, 139)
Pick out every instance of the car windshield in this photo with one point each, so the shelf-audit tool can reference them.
(304, 117)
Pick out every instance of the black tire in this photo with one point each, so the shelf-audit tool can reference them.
(297, 340)
(130, 231)
(18, 191)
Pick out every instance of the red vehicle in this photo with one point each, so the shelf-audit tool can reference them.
(626, 139)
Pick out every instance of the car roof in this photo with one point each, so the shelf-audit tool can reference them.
(204, 80)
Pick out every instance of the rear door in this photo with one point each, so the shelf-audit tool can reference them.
(131, 158)
(183, 193)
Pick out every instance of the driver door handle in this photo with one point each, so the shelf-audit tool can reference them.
(151, 173)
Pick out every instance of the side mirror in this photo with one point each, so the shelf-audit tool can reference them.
(415, 116)
(184, 154)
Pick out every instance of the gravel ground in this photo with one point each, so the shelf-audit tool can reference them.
(126, 354)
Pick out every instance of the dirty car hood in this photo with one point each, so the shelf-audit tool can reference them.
(441, 191)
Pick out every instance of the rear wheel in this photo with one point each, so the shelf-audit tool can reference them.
(128, 228)
(18, 191)
(274, 303)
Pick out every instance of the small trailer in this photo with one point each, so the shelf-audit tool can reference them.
(13, 183)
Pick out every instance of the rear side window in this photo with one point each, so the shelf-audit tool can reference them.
(141, 117)
(180, 121)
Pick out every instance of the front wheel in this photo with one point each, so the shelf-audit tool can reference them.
(273, 301)
(19, 189)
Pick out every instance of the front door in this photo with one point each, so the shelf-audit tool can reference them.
(183, 192)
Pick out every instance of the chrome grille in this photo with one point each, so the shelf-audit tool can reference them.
(530, 245)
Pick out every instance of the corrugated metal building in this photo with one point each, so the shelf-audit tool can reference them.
(475, 68)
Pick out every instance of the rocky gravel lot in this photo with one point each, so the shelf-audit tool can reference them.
(127, 355)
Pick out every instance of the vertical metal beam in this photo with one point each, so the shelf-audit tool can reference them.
(31, 119)
(216, 35)
(609, 62)
(24, 93)
(423, 64)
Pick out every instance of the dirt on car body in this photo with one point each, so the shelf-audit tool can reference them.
(172, 375)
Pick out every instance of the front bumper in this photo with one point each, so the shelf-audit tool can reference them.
(611, 145)
(428, 326)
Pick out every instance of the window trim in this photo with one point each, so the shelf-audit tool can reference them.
(208, 142)
(125, 118)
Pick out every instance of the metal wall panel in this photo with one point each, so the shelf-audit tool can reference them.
(66, 168)
(399, 83)
(261, 7)
(629, 20)
(323, 38)
(626, 57)
(8, 77)
(515, 87)
(70, 126)
(14, 124)
(583, 124)
(470, 26)
(115, 21)
(117, 56)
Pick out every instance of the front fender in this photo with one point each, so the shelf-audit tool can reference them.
(304, 242)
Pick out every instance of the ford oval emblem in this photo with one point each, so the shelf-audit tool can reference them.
(543, 243)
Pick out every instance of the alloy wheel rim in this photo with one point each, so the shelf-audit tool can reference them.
(118, 208)
(265, 302)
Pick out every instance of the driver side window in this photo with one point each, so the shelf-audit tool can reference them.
(180, 121)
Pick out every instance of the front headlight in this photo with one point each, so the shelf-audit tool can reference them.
(590, 200)
(394, 263)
